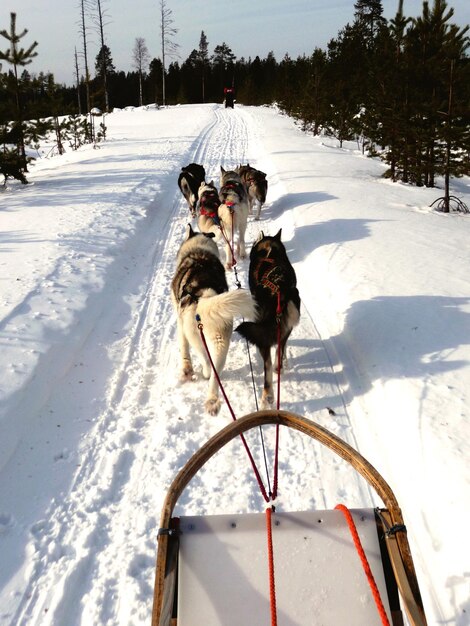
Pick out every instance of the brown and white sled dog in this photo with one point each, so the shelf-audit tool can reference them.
(208, 216)
(189, 180)
(199, 287)
(233, 213)
(273, 284)
(256, 186)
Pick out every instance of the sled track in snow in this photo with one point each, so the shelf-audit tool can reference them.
(98, 544)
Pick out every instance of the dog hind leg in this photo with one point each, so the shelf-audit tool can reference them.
(228, 245)
(242, 219)
(219, 349)
(267, 397)
(187, 371)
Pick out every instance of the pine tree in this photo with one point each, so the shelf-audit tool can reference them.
(154, 78)
(104, 72)
(432, 43)
(18, 57)
(369, 13)
(348, 82)
(104, 63)
(203, 56)
(223, 68)
(314, 95)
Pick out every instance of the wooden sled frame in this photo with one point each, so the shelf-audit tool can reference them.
(390, 518)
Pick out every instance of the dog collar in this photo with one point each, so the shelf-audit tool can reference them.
(208, 212)
(209, 204)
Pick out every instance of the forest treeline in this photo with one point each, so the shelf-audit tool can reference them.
(399, 87)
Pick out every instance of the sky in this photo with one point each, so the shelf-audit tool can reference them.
(248, 28)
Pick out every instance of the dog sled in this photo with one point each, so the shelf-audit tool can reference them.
(229, 97)
(322, 567)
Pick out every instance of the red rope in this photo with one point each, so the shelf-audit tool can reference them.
(279, 356)
(279, 360)
(216, 374)
(272, 585)
(234, 260)
(365, 563)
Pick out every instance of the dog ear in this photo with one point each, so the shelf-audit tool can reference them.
(189, 232)
(211, 184)
(260, 236)
(278, 235)
(209, 235)
(222, 170)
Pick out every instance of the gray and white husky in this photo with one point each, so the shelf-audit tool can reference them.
(199, 287)
(233, 213)
(208, 213)
(256, 186)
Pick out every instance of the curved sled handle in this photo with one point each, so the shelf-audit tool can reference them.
(297, 422)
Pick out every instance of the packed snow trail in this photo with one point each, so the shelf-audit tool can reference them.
(90, 558)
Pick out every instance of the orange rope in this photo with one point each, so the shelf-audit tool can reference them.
(365, 563)
(272, 585)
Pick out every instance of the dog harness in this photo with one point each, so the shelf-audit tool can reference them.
(236, 186)
(208, 204)
(270, 277)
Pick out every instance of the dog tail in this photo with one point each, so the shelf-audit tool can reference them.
(222, 308)
(257, 333)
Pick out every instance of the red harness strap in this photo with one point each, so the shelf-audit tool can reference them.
(208, 212)
(221, 387)
(209, 203)
(365, 563)
(272, 584)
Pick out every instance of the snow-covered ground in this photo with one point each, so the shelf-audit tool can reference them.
(94, 423)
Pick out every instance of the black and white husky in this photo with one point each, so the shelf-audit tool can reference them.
(189, 180)
(208, 211)
(199, 287)
(233, 213)
(256, 186)
(273, 284)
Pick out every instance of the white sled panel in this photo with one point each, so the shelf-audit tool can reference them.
(223, 570)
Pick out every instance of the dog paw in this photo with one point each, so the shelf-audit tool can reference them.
(187, 373)
(187, 376)
(267, 400)
(212, 405)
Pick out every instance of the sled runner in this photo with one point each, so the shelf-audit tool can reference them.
(213, 570)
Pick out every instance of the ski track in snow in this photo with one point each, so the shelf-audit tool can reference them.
(94, 550)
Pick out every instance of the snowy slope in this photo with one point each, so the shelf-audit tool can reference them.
(94, 422)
